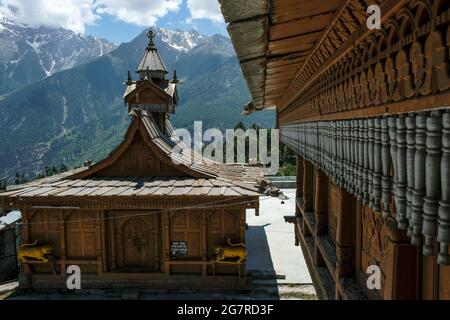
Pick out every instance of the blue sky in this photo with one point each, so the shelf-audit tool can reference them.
(113, 29)
(117, 20)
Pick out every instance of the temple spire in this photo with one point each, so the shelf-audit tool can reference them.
(151, 64)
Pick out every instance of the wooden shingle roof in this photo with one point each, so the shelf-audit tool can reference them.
(207, 178)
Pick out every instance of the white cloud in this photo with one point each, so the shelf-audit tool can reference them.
(76, 14)
(205, 9)
(139, 12)
(69, 14)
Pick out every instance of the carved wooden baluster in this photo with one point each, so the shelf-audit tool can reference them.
(401, 173)
(322, 133)
(340, 153)
(419, 180)
(353, 154)
(303, 140)
(366, 168)
(377, 166)
(410, 122)
(307, 151)
(335, 152)
(371, 149)
(316, 143)
(357, 178)
(432, 178)
(327, 149)
(354, 159)
(310, 142)
(350, 155)
(386, 165)
(443, 235)
(350, 128)
(392, 122)
(361, 160)
(346, 135)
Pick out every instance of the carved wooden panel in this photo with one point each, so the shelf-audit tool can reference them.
(45, 228)
(407, 59)
(138, 160)
(222, 224)
(81, 234)
(186, 226)
(374, 242)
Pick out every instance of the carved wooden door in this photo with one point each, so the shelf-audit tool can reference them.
(136, 244)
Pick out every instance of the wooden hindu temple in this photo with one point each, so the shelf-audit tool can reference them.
(145, 216)
(366, 111)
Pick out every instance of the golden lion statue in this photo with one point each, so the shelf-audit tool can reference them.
(232, 251)
(32, 251)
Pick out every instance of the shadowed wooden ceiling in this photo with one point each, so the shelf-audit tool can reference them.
(273, 38)
(296, 25)
(278, 42)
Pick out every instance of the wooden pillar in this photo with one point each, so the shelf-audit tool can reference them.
(112, 230)
(166, 242)
(320, 211)
(401, 271)
(321, 202)
(300, 171)
(277, 119)
(98, 229)
(104, 239)
(203, 244)
(62, 234)
(242, 267)
(345, 234)
(308, 204)
(25, 282)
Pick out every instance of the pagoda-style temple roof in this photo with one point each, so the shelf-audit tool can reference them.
(143, 166)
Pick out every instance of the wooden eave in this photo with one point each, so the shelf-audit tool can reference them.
(275, 41)
(143, 85)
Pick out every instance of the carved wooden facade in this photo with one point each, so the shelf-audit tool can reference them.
(367, 112)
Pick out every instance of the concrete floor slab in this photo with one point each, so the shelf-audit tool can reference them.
(271, 241)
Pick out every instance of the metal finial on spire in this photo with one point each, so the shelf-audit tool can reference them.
(129, 80)
(175, 79)
(151, 43)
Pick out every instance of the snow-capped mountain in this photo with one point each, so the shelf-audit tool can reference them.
(180, 40)
(29, 54)
(79, 114)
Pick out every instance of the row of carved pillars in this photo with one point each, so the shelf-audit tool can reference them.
(398, 165)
